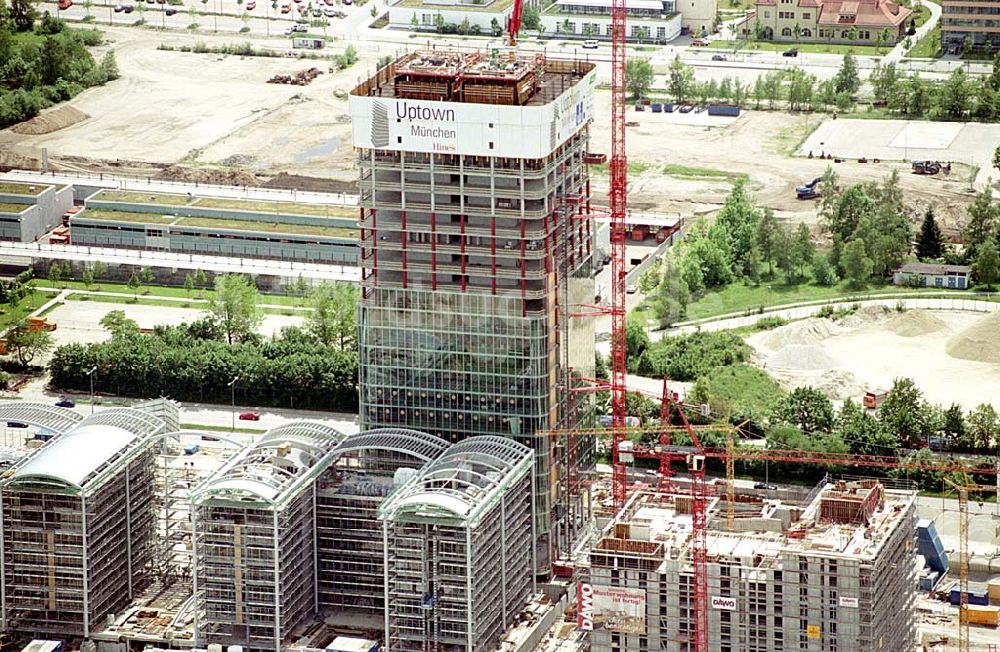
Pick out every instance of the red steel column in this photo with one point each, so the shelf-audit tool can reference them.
(433, 251)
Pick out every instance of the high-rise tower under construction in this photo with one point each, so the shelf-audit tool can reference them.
(476, 257)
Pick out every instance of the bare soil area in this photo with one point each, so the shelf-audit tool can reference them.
(50, 120)
(869, 349)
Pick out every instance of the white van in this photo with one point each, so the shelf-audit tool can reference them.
(590, 44)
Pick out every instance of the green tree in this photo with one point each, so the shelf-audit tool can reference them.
(709, 256)
(804, 249)
(852, 34)
(857, 264)
(27, 343)
(954, 424)
(134, 284)
(188, 283)
(636, 340)
(116, 323)
(735, 228)
(234, 307)
(996, 152)
(88, 276)
(902, 412)
(333, 320)
(200, 279)
(98, 269)
(861, 431)
(87, 6)
(530, 18)
(672, 293)
(766, 238)
(883, 79)
(983, 214)
(147, 275)
(414, 23)
(842, 213)
(984, 428)
(822, 271)
(987, 265)
(680, 80)
(22, 15)
(55, 272)
(784, 255)
(847, 79)
(930, 242)
(638, 77)
(807, 409)
(955, 95)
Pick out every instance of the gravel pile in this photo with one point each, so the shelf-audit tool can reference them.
(914, 323)
(801, 357)
(807, 331)
(979, 342)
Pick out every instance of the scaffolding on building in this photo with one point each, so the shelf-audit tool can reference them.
(254, 538)
(459, 548)
(78, 520)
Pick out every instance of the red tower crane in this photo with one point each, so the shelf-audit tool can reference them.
(514, 22)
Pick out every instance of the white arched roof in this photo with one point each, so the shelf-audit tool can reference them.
(77, 457)
(461, 483)
(272, 468)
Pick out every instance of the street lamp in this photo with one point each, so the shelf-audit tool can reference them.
(232, 404)
(91, 375)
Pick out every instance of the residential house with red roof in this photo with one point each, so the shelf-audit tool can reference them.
(829, 21)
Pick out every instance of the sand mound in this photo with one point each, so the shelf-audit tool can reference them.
(801, 357)
(838, 385)
(980, 341)
(864, 316)
(806, 331)
(914, 322)
(48, 121)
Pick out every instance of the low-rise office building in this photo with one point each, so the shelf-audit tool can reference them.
(27, 210)
(317, 233)
(978, 20)
(429, 14)
(933, 275)
(648, 20)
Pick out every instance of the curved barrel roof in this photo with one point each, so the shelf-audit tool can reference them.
(76, 458)
(468, 478)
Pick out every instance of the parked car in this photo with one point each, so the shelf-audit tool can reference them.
(128, 8)
(687, 108)
(794, 52)
(16, 424)
(764, 485)
(317, 12)
(286, 9)
(249, 416)
(590, 44)
(250, 6)
(700, 43)
(170, 11)
(718, 57)
(119, 9)
(300, 27)
(631, 289)
(66, 403)
(65, 4)
(329, 12)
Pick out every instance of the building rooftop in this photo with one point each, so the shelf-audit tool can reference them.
(859, 13)
(79, 456)
(271, 470)
(462, 483)
(649, 5)
(475, 78)
(851, 520)
(27, 189)
(494, 6)
(224, 203)
(14, 208)
(934, 268)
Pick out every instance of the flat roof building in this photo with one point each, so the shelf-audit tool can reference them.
(838, 572)
(474, 249)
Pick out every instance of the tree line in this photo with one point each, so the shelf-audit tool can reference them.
(959, 97)
(314, 366)
(44, 62)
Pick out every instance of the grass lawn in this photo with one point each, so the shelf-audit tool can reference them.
(920, 14)
(929, 45)
(13, 208)
(775, 292)
(145, 300)
(122, 216)
(222, 429)
(166, 291)
(823, 48)
(29, 189)
(254, 226)
(142, 198)
(276, 207)
(689, 172)
(29, 304)
(788, 140)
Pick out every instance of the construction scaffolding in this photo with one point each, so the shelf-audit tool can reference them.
(367, 468)
(78, 521)
(254, 539)
(459, 548)
(836, 572)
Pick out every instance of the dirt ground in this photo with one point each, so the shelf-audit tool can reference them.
(211, 111)
(868, 350)
(205, 109)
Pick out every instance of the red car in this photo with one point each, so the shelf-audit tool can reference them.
(700, 42)
(249, 416)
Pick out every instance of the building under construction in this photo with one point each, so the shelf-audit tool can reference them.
(835, 572)
(458, 542)
(476, 258)
(78, 520)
